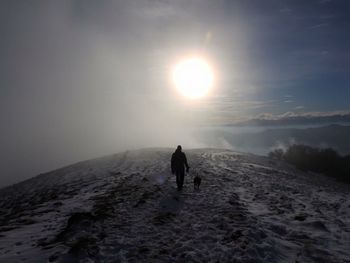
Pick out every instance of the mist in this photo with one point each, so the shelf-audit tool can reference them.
(84, 80)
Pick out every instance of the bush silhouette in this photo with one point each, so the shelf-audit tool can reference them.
(276, 154)
(307, 158)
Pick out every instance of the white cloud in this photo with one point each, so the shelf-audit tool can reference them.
(318, 25)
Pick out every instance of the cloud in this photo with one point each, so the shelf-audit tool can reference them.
(286, 10)
(318, 25)
(299, 118)
(325, 1)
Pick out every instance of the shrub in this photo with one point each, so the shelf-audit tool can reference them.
(276, 154)
(326, 161)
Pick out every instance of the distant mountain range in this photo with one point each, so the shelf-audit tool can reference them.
(296, 120)
(334, 136)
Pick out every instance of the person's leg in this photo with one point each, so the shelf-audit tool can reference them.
(178, 180)
(182, 175)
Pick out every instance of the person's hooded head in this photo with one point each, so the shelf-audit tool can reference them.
(179, 148)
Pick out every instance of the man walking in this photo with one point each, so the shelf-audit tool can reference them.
(178, 164)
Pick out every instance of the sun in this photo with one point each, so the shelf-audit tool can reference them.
(193, 77)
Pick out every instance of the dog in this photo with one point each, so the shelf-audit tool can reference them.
(196, 182)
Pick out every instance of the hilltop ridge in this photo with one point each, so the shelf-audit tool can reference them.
(125, 208)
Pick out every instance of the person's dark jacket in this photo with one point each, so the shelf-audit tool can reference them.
(179, 162)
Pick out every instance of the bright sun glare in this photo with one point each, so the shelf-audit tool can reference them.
(193, 77)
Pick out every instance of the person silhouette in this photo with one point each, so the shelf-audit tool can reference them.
(178, 164)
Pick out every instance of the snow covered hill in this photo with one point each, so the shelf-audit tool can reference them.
(125, 208)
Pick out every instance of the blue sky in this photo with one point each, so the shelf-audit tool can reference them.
(297, 50)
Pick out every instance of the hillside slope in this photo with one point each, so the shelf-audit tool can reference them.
(125, 208)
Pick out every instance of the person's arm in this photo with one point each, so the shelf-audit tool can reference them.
(186, 164)
(172, 164)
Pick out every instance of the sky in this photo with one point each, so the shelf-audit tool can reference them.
(81, 79)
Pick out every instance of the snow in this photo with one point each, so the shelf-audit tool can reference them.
(125, 208)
